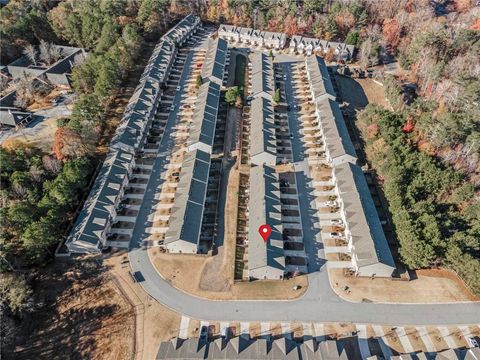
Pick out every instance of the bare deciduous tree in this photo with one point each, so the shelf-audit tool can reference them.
(51, 164)
(30, 52)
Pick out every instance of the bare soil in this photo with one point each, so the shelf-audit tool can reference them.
(430, 286)
(81, 312)
(154, 323)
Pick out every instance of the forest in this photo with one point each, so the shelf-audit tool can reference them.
(426, 153)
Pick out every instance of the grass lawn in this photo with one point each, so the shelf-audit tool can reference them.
(240, 65)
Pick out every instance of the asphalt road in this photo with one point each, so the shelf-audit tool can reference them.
(318, 304)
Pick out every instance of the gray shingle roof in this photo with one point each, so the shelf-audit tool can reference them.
(320, 82)
(99, 209)
(336, 137)
(252, 349)
(262, 127)
(187, 212)
(214, 62)
(262, 75)
(264, 208)
(370, 244)
(202, 129)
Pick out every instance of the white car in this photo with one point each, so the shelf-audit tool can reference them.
(338, 222)
(172, 107)
(331, 203)
(178, 88)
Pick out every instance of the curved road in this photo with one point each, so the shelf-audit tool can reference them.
(319, 304)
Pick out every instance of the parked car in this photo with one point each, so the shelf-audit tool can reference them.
(338, 222)
(331, 203)
(336, 235)
(472, 342)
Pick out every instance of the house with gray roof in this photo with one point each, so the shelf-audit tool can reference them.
(202, 129)
(57, 73)
(243, 347)
(263, 147)
(12, 117)
(183, 234)
(308, 46)
(183, 30)
(262, 81)
(265, 259)
(338, 146)
(367, 243)
(90, 231)
(319, 79)
(214, 63)
(268, 39)
(95, 220)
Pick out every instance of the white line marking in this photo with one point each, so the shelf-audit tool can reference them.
(383, 341)
(402, 336)
(423, 333)
(362, 339)
(447, 336)
(184, 322)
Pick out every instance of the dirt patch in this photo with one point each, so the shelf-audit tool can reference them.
(82, 311)
(435, 287)
(154, 322)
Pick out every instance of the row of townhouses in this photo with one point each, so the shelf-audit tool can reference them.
(367, 243)
(184, 232)
(95, 220)
(305, 45)
(275, 40)
(57, 74)
(265, 259)
(244, 347)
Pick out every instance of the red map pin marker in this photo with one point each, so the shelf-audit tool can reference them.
(265, 230)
